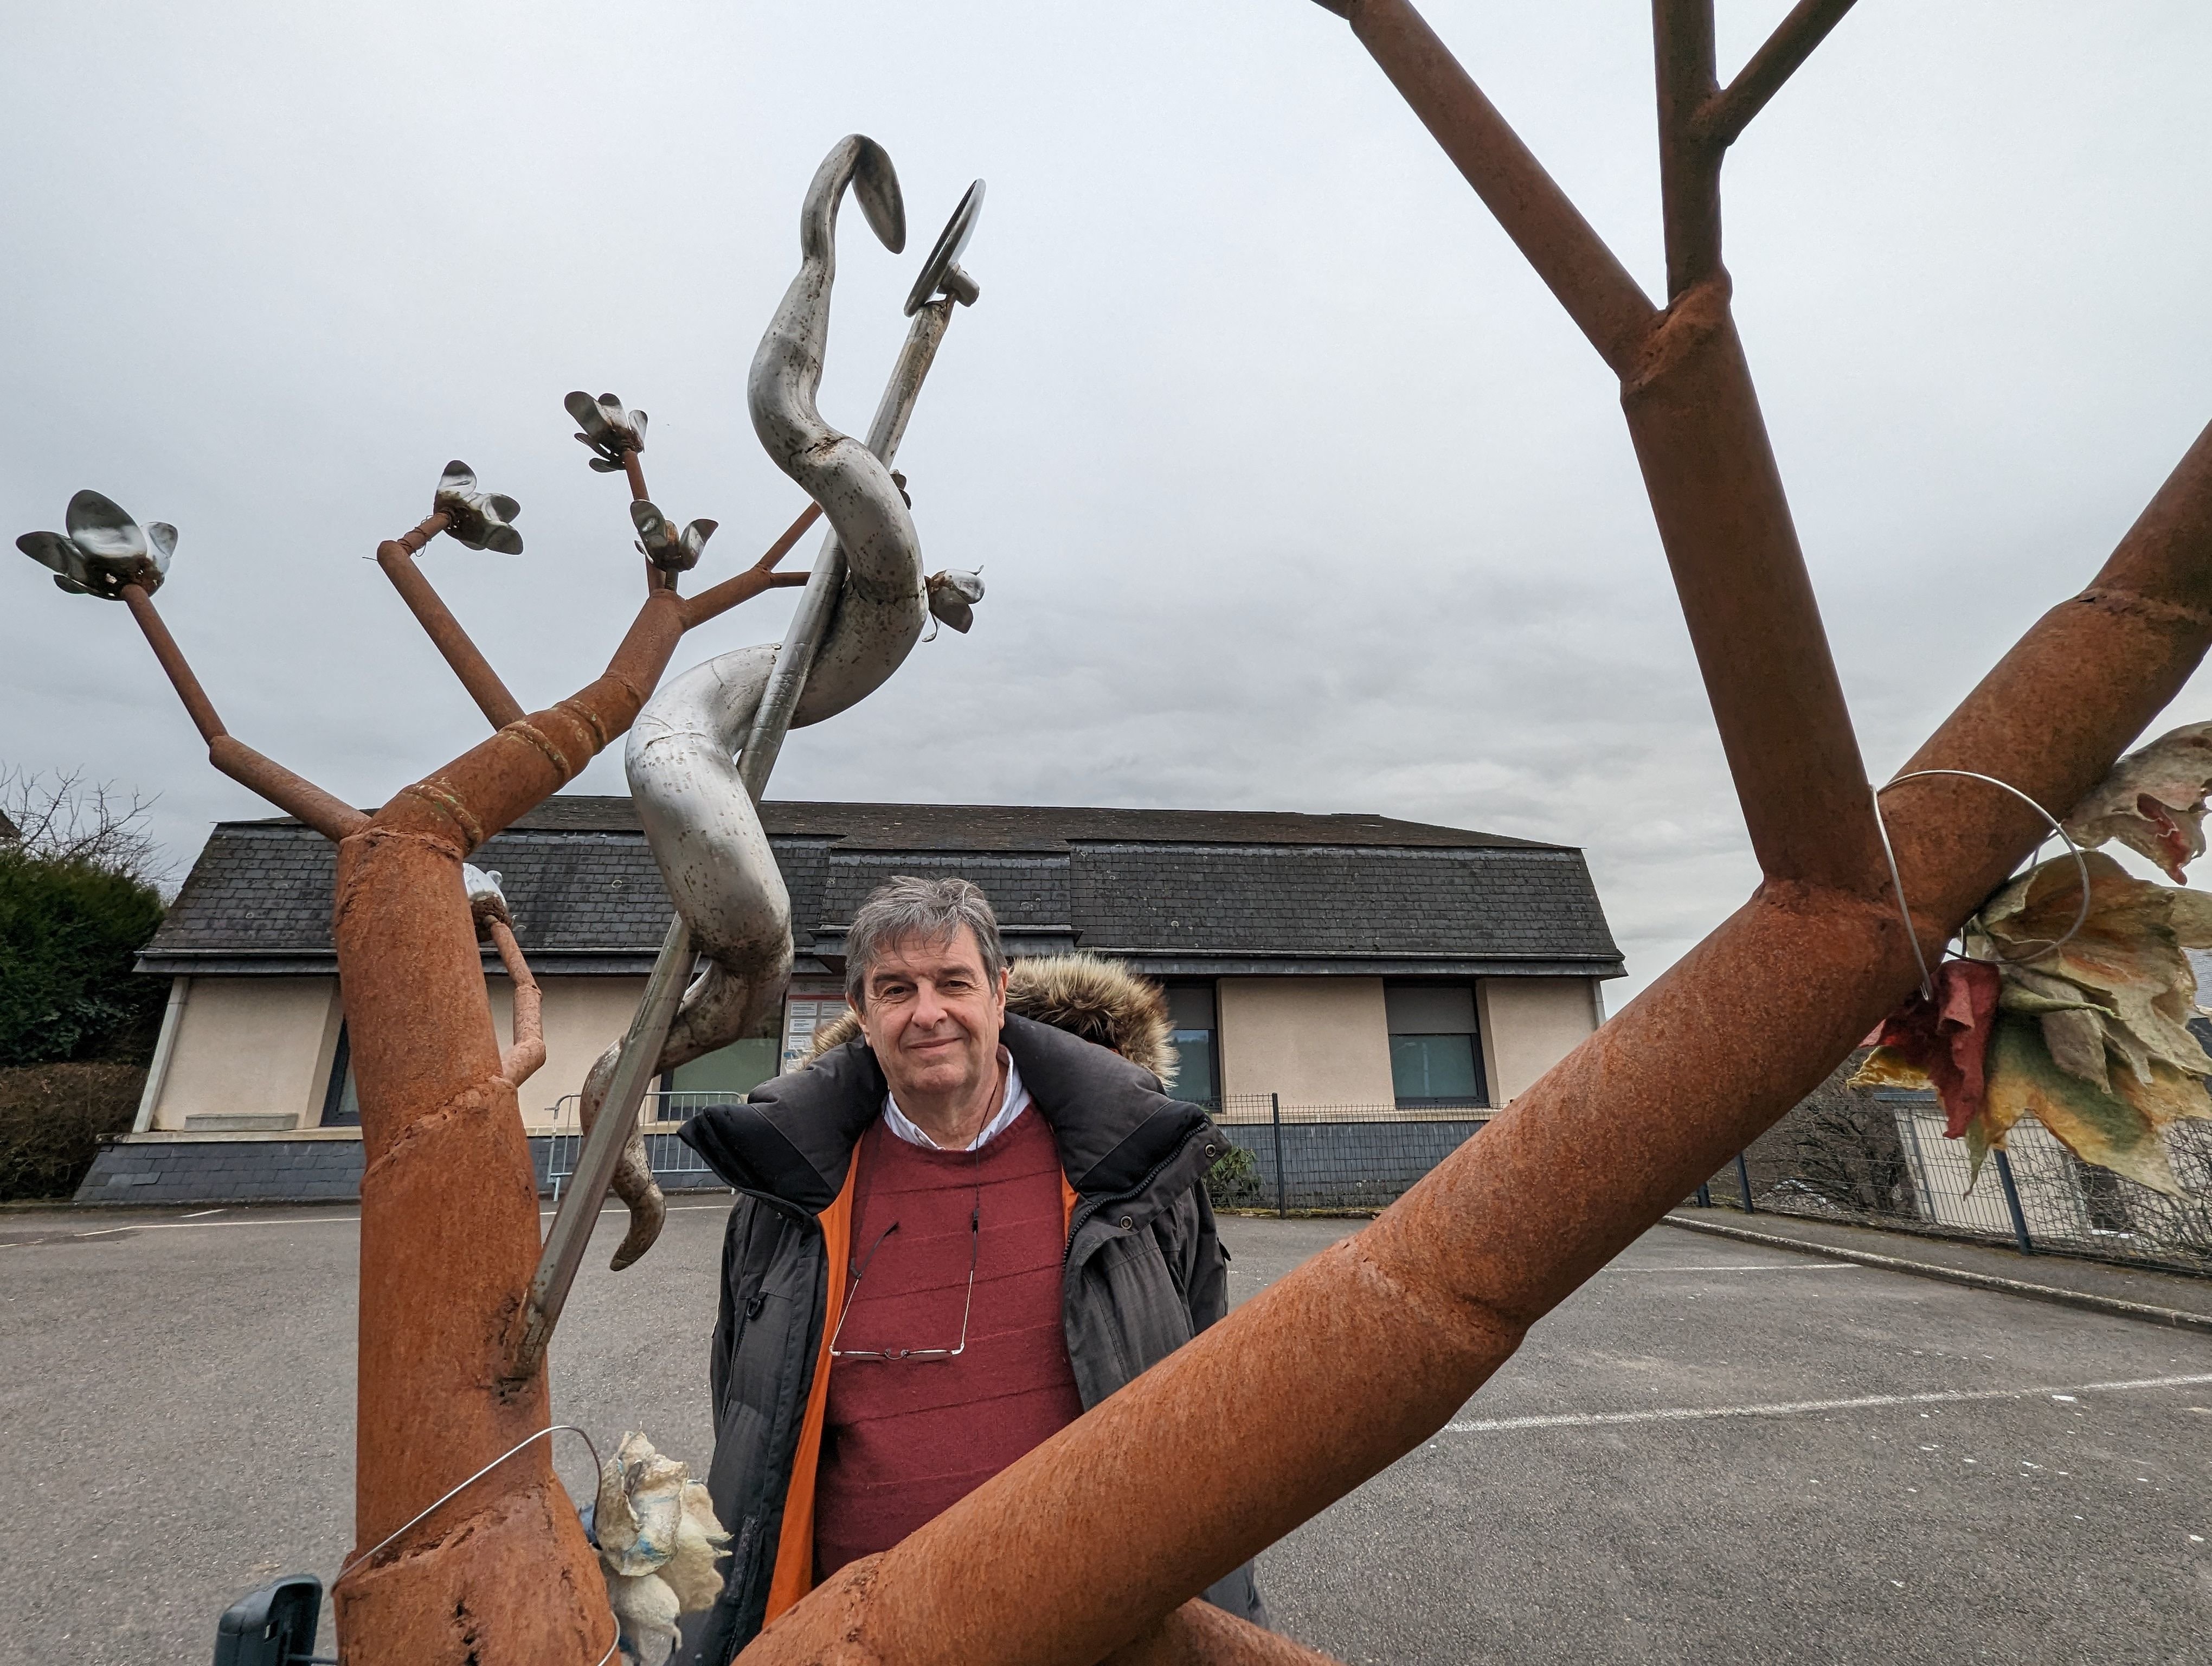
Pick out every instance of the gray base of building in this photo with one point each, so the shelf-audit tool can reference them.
(263, 1171)
(1352, 1165)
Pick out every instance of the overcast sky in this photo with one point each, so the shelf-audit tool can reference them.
(1292, 488)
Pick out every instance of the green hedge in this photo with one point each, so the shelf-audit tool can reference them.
(52, 1116)
(1233, 1183)
(69, 932)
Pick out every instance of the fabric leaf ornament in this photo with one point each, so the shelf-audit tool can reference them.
(2125, 966)
(658, 1542)
(1943, 1042)
(2092, 1032)
(2153, 802)
(2118, 1128)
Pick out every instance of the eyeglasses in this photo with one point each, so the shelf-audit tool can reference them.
(860, 1271)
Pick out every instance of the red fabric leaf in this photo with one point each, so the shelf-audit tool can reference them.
(1949, 1037)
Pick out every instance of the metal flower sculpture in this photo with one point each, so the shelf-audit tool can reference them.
(663, 545)
(480, 519)
(487, 901)
(103, 549)
(952, 598)
(608, 428)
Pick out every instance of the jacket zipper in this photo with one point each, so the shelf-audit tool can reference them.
(751, 1310)
(1090, 1208)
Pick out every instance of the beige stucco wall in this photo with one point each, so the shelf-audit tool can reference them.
(266, 1045)
(583, 1016)
(1317, 1041)
(1528, 1025)
(252, 1045)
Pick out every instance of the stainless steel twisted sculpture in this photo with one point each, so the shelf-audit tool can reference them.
(700, 752)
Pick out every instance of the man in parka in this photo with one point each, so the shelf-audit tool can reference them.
(955, 1232)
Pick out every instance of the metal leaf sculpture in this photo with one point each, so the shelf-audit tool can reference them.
(952, 597)
(608, 428)
(481, 520)
(103, 549)
(663, 545)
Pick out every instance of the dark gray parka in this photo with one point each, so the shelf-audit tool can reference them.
(1144, 1271)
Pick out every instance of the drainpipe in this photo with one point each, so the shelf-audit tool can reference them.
(165, 1047)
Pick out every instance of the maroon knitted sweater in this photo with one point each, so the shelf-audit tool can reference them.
(905, 1438)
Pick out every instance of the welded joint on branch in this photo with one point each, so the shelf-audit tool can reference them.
(1723, 118)
(718, 599)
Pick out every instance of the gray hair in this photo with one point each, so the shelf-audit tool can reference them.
(931, 910)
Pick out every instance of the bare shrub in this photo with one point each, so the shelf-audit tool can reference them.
(51, 1118)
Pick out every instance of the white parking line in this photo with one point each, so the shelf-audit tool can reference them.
(211, 1226)
(1747, 1266)
(1801, 1408)
(195, 1222)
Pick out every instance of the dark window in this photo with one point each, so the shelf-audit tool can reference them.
(726, 1074)
(730, 1072)
(341, 1099)
(2106, 1199)
(1436, 1046)
(1198, 1062)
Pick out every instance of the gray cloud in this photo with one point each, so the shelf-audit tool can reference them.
(1292, 488)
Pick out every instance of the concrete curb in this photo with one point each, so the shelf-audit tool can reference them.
(2177, 1318)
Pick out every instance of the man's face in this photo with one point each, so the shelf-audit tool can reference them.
(933, 1016)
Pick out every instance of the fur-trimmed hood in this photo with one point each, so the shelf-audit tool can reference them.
(1098, 999)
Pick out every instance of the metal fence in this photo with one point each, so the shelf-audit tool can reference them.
(1282, 1157)
(675, 1164)
(1881, 1159)
(1287, 1157)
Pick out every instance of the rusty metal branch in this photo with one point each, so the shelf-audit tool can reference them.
(1729, 113)
(717, 599)
(522, 1060)
(396, 556)
(1689, 163)
(1693, 413)
(633, 462)
(197, 706)
(1590, 282)
(1754, 620)
(481, 791)
(1355, 1359)
(294, 794)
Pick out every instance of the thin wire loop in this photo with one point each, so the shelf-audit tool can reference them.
(1912, 935)
(1897, 886)
(599, 1467)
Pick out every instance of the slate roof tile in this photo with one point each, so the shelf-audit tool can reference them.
(1179, 886)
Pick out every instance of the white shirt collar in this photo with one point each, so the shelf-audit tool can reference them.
(1016, 1102)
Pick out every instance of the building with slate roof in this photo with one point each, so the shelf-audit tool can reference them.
(1310, 962)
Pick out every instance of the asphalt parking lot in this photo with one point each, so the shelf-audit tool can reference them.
(1713, 1452)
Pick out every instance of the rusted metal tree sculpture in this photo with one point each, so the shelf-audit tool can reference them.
(449, 1212)
(1089, 1544)
(458, 1297)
